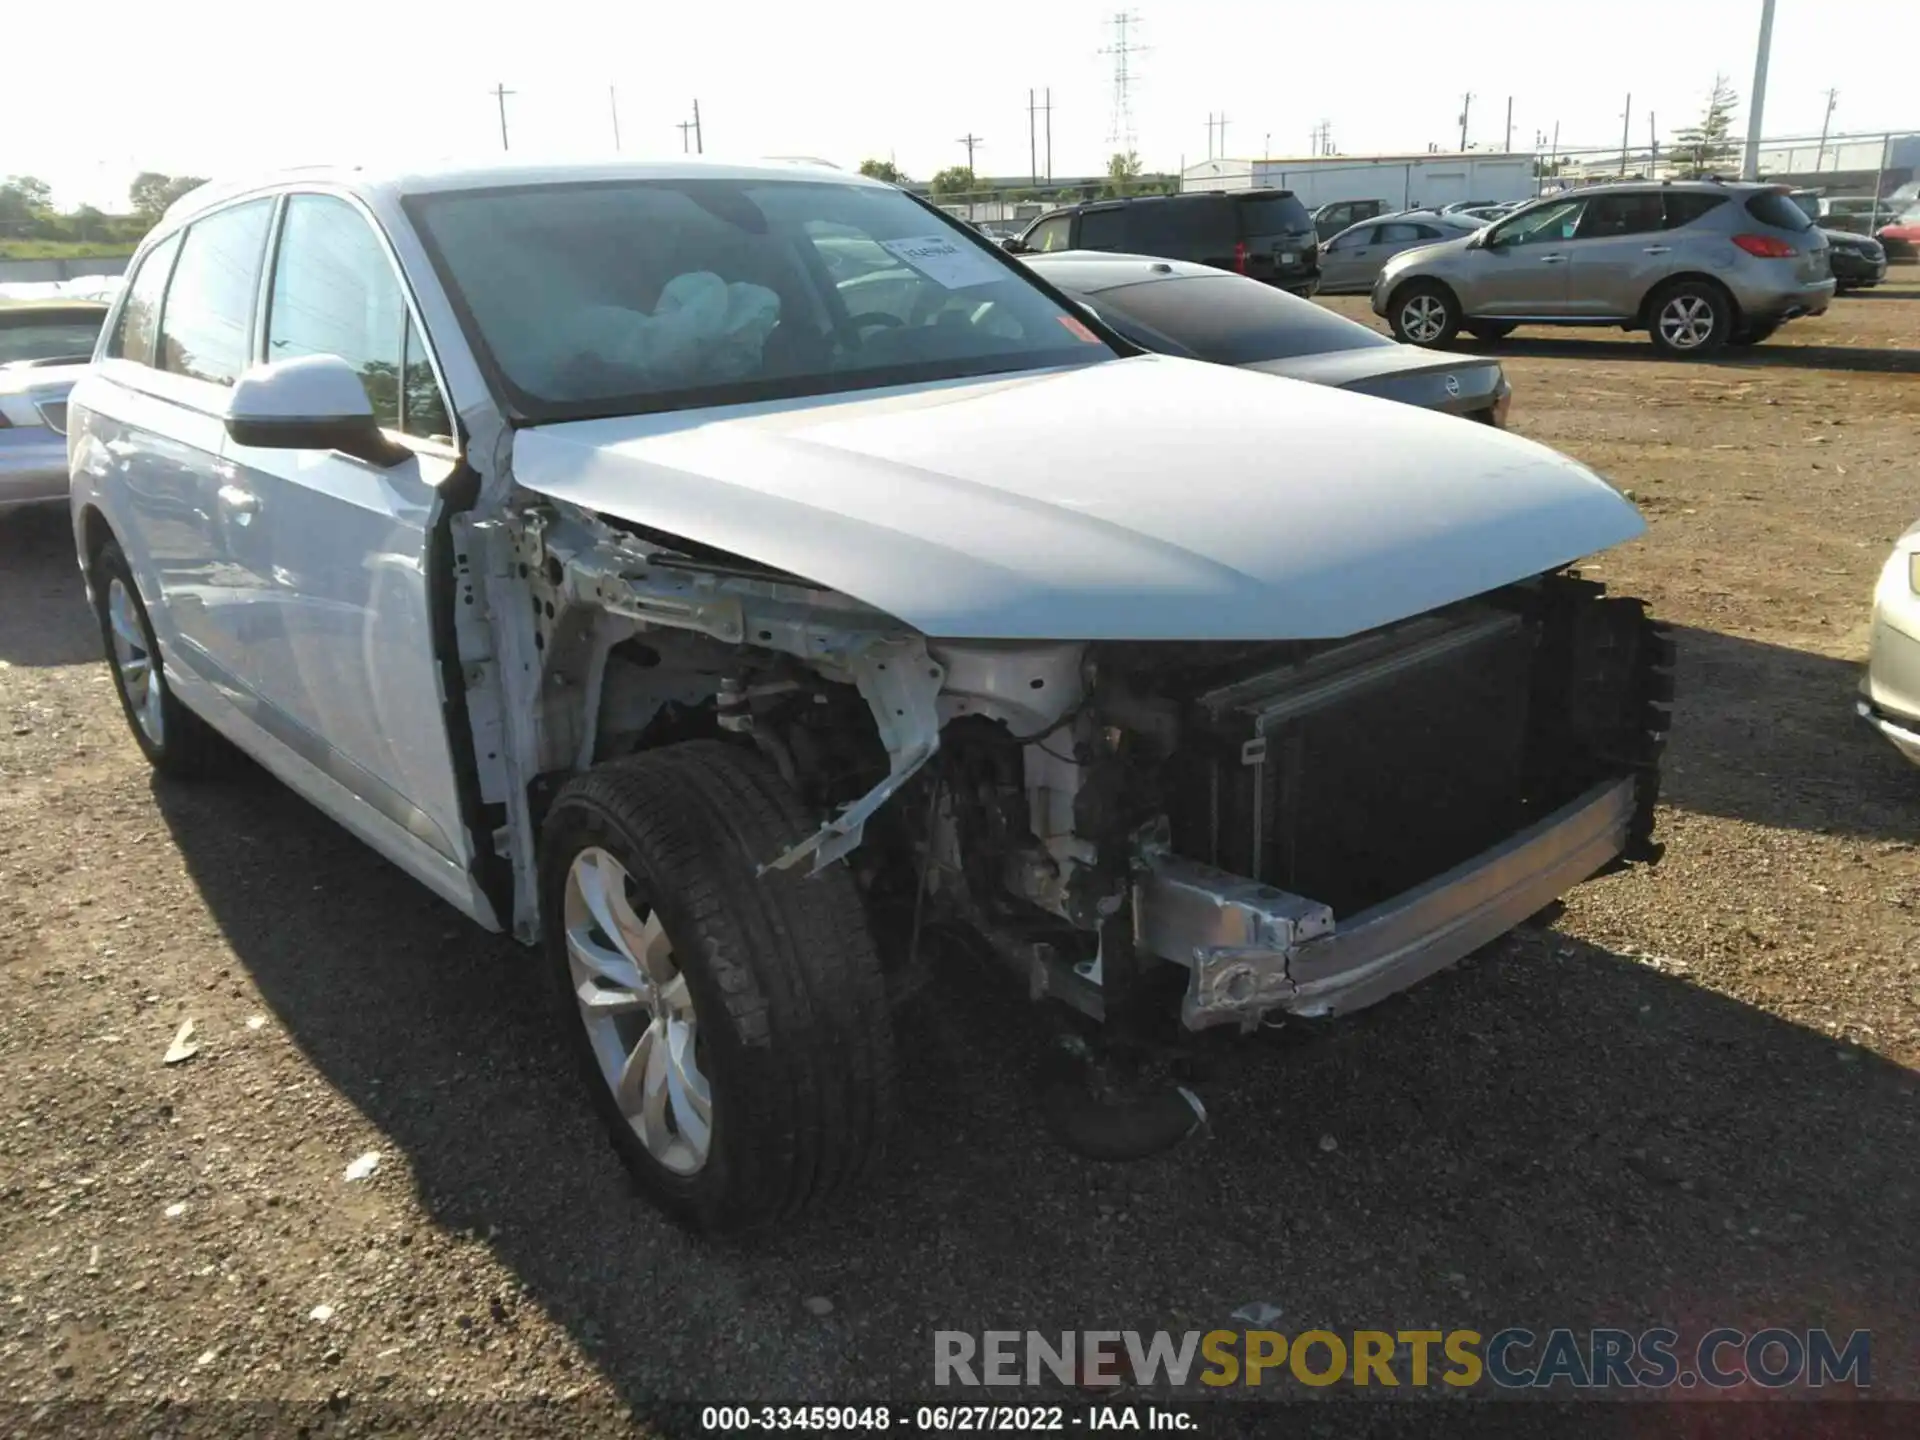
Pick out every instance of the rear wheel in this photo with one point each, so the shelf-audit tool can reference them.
(1424, 314)
(175, 741)
(1490, 330)
(732, 1027)
(1690, 319)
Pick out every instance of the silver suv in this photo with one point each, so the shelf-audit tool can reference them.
(1697, 264)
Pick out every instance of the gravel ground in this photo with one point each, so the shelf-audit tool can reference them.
(1692, 1099)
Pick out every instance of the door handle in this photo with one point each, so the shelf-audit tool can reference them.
(1553, 259)
(241, 504)
(1657, 250)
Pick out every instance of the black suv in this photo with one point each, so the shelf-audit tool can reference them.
(1266, 234)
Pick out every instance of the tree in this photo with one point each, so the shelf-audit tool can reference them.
(1704, 148)
(24, 203)
(1123, 170)
(152, 192)
(954, 180)
(883, 170)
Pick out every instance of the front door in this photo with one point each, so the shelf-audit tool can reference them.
(343, 657)
(1521, 270)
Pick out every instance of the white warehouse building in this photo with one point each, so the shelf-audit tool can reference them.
(1403, 181)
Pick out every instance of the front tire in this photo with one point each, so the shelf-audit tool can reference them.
(1690, 320)
(1424, 314)
(733, 1027)
(175, 741)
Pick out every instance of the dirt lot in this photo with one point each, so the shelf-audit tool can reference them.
(1695, 1099)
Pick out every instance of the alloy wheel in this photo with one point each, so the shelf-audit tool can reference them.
(639, 1013)
(1686, 322)
(134, 663)
(1424, 318)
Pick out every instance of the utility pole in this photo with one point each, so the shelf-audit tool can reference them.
(1653, 147)
(1048, 110)
(500, 94)
(1466, 106)
(1757, 102)
(1509, 149)
(970, 140)
(685, 127)
(699, 140)
(1832, 97)
(613, 107)
(1033, 151)
(1626, 119)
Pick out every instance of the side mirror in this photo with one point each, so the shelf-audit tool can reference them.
(1013, 245)
(315, 402)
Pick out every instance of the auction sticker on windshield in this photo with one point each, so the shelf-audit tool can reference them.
(938, 258)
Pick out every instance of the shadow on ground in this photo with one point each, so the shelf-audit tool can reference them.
(44, 619)
(1771, 354)
(1552, 1134)
(1767, 734)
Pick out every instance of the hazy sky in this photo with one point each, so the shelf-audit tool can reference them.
(211, 87)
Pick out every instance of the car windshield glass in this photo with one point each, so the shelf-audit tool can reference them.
(1770, 207)
(647, 295)
(47, 337)
(1232, 321)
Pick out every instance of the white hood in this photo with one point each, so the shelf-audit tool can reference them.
(1146, 499)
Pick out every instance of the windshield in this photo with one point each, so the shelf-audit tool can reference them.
(646, 295)
(1232, 321)
(48, 334)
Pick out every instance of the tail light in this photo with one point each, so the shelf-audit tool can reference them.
(1765, 246)
(1240, 256)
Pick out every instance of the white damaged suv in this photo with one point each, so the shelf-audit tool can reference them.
(738, 582)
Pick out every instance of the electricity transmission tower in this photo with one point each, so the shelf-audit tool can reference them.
(1120, 127)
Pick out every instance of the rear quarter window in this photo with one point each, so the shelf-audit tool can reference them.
(1103, 229)
(1772, 208)
(1273, 215)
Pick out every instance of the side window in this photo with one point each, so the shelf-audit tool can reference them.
(205, 325)
(422, 411)
(1051, 234)
(140, 316)
(1103, 229)
(1399, 234)
(1611, 215)
(1543, 225)
(1354, 239)
(335, 293)
(1686, 206)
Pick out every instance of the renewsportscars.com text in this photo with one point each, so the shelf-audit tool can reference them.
(1509, 1359)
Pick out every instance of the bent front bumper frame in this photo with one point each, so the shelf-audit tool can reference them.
(1251, 948)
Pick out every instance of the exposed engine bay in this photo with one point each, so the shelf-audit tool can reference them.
(1228, 830)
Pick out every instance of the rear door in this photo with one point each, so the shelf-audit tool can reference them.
(1617, 254)
(182, 339)
(1350, 262)
(1102, 227)
(343, 653)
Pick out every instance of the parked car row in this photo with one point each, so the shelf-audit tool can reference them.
(749, 585)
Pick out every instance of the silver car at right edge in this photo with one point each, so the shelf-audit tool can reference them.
(1889, 698)
(1697, 264)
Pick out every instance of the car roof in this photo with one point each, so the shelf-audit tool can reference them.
(76, 308)
(1091, 271)
(395, 182)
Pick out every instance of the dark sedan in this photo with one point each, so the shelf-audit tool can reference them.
(1859, 261)
(1178, 308)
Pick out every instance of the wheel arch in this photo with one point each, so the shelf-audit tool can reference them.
(1427, 282)
(1643, 317)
